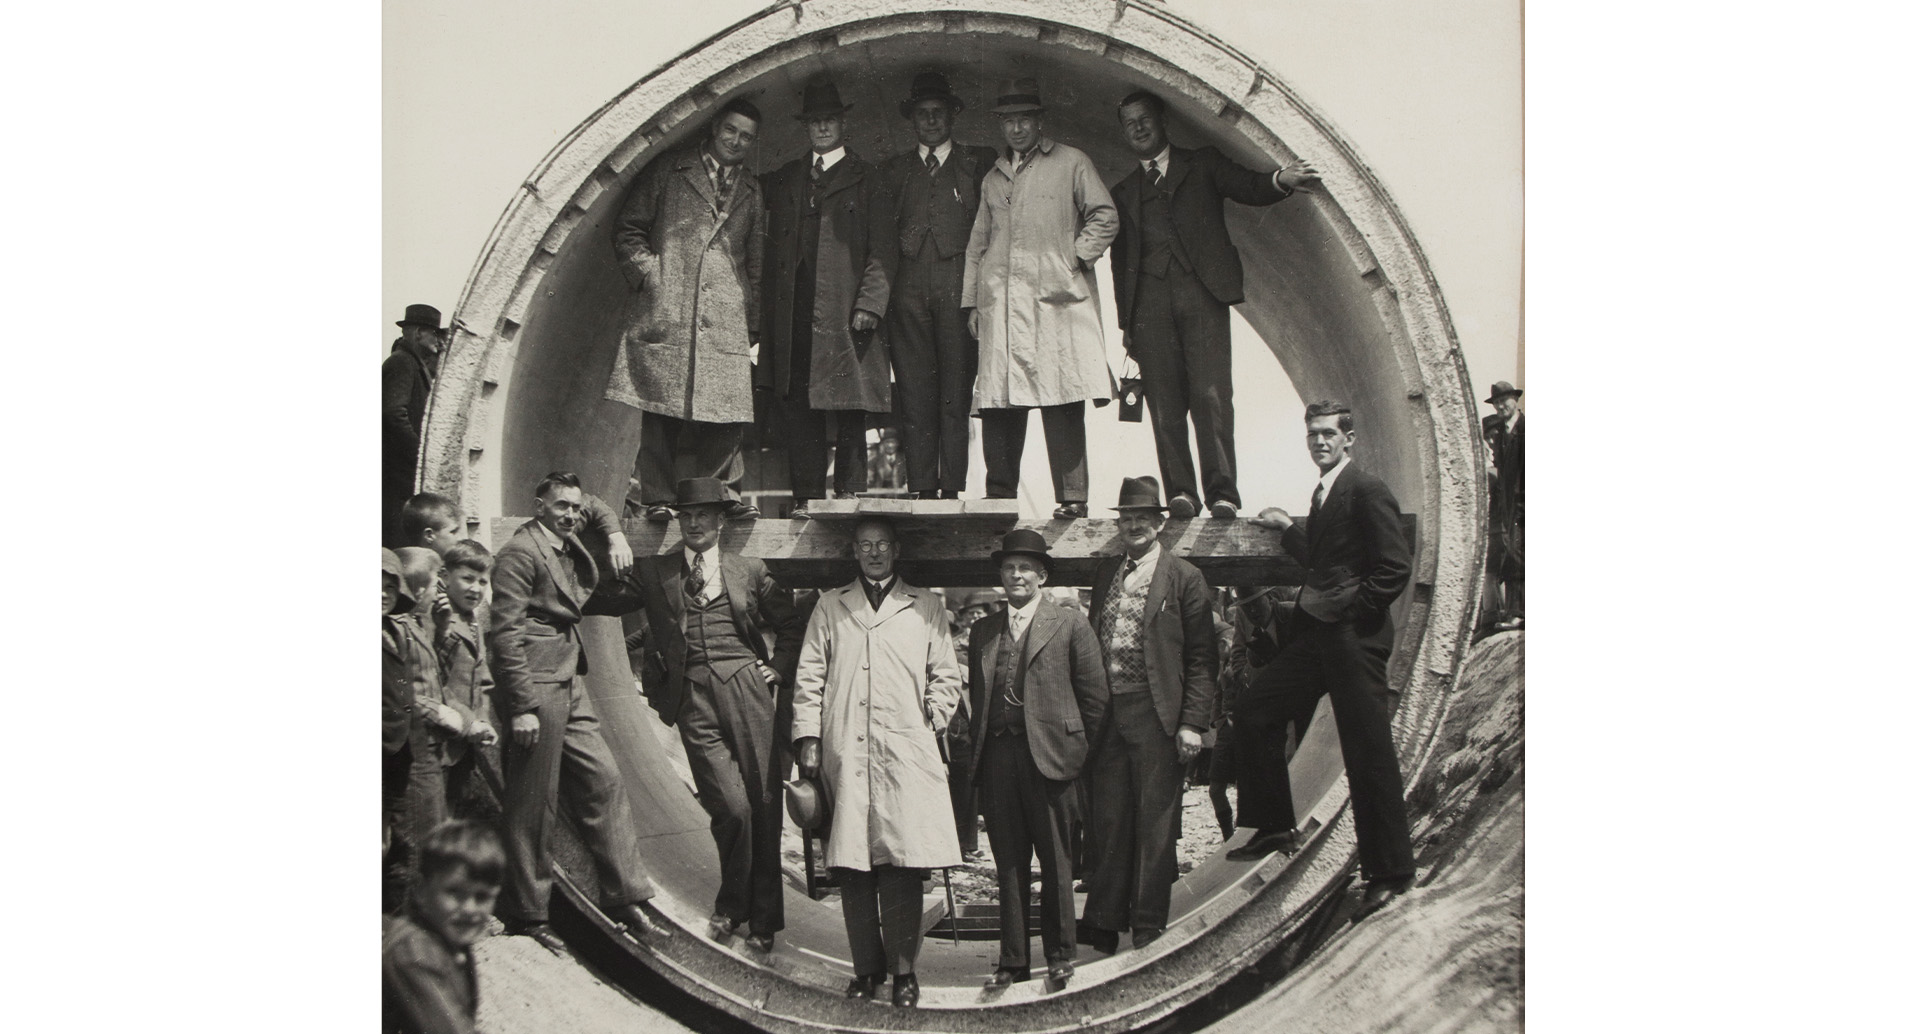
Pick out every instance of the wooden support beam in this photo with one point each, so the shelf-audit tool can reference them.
(948, 548)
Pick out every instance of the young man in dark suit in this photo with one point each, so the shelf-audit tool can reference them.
(933, 195)
(1175, 272)
(709, 670)
(542, 579)
(1154, 617)
(1039, 692)
(1357, 560)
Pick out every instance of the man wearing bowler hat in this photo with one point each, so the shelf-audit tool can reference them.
(1504, 432)
(828, 238)
(406, 378)
(1039, 691)
(934, 194)
(1355, 553)
(1044, 219)
(710, 671)
(1154, 617)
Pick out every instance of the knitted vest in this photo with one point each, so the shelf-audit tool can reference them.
(1122, 619)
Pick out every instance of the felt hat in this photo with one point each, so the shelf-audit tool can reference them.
(390, 564)
(421, 316)
(692, 492)
(1141, 493)
(820, 99)
(1501, 389)
(1024, 542)
(930, 86)
(804, 804)
(982, 598)
(1018, 95)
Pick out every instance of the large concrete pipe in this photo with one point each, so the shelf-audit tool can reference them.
(1337, 289)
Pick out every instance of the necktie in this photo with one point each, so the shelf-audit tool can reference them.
(1127, 572)
(697, 577)
(1319, 496)
(1153, 171)
(819, 167)
(933, 163)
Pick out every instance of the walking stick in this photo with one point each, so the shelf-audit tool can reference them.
(953, 914)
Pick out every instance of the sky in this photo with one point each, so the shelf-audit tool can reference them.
(476, 92)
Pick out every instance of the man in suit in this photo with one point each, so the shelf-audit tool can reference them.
(542, 579)
(689, 240)
(934, 193)
(1357, 561)
(1039, 691)
(1154, 616)
(828, 236)
(1504, 432)
(406, 378)
(1175, 272)
(709, 671)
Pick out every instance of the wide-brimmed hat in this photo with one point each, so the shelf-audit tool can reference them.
(1141, 493)
(1024, 542)
(982, 598)
(820, 99)
(421, 316)
(691, 492)
(390, 564)
(930, 86)
(1501, 389)
(804, 804)
(1018, 95)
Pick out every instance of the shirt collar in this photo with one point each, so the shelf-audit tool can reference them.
(884, 587)
(1165, 153)
(554, 542)
(1145, 563)
(831, 158)
(945, 148)
(1327, 479)
(1026, 613)
(708, 552)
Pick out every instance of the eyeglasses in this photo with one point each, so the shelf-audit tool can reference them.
(882, 548)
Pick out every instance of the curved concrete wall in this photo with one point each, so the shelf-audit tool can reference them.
(1337, 287)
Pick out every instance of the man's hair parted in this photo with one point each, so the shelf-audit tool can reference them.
(565, 478)
(738, 106)
(1152, 100)
(1328, 407)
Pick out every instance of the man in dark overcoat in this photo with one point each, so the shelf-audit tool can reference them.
(828, 233)
(1506, 538)
(690, 240)
(1357, 562)
(1175, 272)
(1038, 693)
(1154, 617)
(935, 194)
(710, 671)
(406, 379)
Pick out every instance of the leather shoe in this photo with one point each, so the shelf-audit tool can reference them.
(1285, 841)
(1098, 939)
(1145, 935)
(865, 987)
(635, 918)
(1183, 506)
(1069, 511)
(799, 511)
(1058, 973)
(1379, 892)
(906, 990)
(741, 510)
(1223, 510)
(542, 933)
(1004, 976)
(761, 943)
(720, 927)
(659, 513)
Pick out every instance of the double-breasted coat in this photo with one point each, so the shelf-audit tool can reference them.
(873, 685)
(849, 371)
(694, 266)
(1030, 276)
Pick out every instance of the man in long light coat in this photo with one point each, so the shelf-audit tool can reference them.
(690, 241)
(1044, 219)
(877, 675)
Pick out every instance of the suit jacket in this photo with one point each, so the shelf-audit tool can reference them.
(901, 170)
(1199, 181)
(1183, 659)
(396, 686)
(1509, 460)
(532, 633)
(1061, 675)
(1355, 552)
(657, 583)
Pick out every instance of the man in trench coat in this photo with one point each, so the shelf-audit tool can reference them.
(690, 241)
(826, 294)
(1044, 219)
(877, 676)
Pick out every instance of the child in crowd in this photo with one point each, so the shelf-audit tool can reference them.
(426, 958)
(397, 662)
(431, 718)
(466, 683)
(430, 521)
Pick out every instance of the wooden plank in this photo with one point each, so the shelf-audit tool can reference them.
(942, 549)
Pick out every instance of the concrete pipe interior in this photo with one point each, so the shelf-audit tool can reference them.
(1336, 288)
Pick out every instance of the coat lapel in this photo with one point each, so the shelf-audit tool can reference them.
(1181, 162)
(560, 576)
(1157, 588)
(674, 580)
(1047, 620)
(848, 172)
(898, 599)
(733, 581)
(695, 172)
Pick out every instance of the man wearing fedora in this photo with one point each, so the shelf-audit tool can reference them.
(1504, 431)
(1039, 691)
(827, 244)
(1357, 562)
(710, 671)
(877, 676)
(542, 580)
(933, 194)
(406, 378)
(1044, 219)
(690, 240)
(1175, 272)
(1154, 617)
